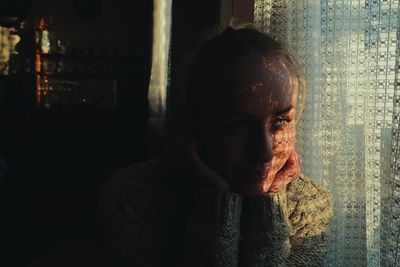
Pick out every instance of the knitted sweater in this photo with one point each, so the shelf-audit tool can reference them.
(153, 215)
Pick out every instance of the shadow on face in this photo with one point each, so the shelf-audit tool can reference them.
(248, 128)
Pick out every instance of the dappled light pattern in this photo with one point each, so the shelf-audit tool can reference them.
(252, 133)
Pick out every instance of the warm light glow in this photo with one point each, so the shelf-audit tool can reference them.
(159, 70)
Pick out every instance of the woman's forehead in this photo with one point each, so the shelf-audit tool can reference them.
(268, 77)
(261, 100)
(267, 72)
(255, 86)
(260, 88)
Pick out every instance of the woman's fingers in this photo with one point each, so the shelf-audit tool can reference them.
(275, 183)
(289, 171)
(268, 182)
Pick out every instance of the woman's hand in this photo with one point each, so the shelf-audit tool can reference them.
(208, 176)
(285, 175)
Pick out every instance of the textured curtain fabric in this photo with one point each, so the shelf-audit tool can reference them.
(349, 136)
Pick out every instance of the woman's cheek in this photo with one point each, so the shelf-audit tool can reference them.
(283, 147)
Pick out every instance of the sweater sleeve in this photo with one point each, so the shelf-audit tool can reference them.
(134, 229)
(287, 228)
(212, 237)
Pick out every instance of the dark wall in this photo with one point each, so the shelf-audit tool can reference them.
(57, 159)
(243, 10)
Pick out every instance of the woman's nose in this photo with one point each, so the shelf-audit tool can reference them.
(263, 145)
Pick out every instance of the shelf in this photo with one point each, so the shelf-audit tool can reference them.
(92, 57)
(89, 77)
(79, 77)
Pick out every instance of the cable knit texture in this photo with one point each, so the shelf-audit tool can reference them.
(154, 215)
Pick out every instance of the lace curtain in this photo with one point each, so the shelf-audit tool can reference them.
(349, 133)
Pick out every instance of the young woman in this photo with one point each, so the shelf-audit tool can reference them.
(232, 195)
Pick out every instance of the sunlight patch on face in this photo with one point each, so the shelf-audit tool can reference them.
(276, 70)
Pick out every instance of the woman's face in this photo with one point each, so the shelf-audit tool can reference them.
(252, 132)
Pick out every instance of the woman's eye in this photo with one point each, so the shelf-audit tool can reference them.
(281, 122)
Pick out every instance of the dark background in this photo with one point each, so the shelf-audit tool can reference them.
(57, 159)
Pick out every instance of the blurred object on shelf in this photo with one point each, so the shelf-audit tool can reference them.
(49, 66)
(45, 35)
(8, 41)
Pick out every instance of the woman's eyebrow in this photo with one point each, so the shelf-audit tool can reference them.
(241, 114)
(284, 111)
